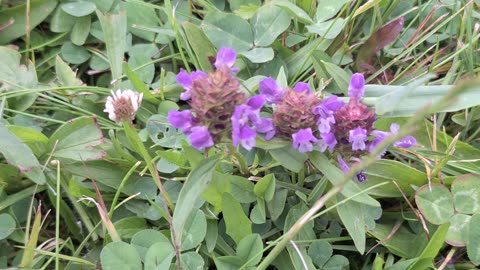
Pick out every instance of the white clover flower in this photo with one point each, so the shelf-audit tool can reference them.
(123, 105)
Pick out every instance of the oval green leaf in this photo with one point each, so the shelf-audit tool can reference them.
(120, 256)
(79, 9)
(466, 194)
(436, 205)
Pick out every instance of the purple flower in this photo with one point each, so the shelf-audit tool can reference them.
(325, 124)
(328, 140)
(361, 177)
(244, 135)
(265, 125)
(181, 120)
(358, 137)
(226, 56)
(271, 90)
(356, 89)
(186, 81)
(200, 137)
(301, 87)
(404, 142)
(256, 102)
(303, 140)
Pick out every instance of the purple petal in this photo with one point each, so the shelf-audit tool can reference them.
(271, 90)
(226, 56)
(301, 87)
(328, 141)
(186, 81)
(394, 127)
(342, 164)
(200, 137)
(325, 124)
(246, 136)
(303, 140)
(405, 142)
(328, 106)
(265, 125)
(181, 120)
(358, 137)
(356, 89)
(256, 102)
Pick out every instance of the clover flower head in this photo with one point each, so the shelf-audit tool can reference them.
(123, 105)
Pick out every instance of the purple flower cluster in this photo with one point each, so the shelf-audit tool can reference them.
(220, 110)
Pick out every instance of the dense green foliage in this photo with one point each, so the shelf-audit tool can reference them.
(78, 191)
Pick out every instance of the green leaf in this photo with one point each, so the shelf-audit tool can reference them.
(326, 9)
(129, 226)
(195, 230)
(356, 217)
(430, 252)
(473, 240)
(268, 23)
(320, 252)
(294, 11)
(192, 261)
(466, 194)
(81, 30)
(197, 181)
(144, 239)
(39, 11)
(77, 140)
(74, 54)
(34, 139)
(336, 262)
(289, 158)
(265, 187)
(258, 214)
(7, 225)
(457, 234)
(435, 204)
(115, 29)
(250, 249)
(201, 46)
(19, 155)
(79, 9)
(141, 15)
(147, 71)
(241, 188)
(404, 242)
(329, 29)
(228, 30)
(277, 204)
(120, 256)
(62, 21)
(237, 4)
(259, 55)
(214, 192)
(237, 223)
(139, 85)
(65, 75)
(212, 235)
(228, 262)
(159, 256)
(162, 133)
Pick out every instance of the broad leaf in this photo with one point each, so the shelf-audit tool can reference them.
(435, 202)
(120, 256)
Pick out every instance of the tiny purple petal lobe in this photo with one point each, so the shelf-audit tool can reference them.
(271, 90)
(181, 120)
(405, 142)
(342, 164)
(303, 140)
(256, 102)
(302, 87)
(358, 137)
(200, 137)
(328, 141)
(226, 56)
(356, 89)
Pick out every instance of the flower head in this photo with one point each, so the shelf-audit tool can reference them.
(271, 90)
(123, 105)
(303, 140)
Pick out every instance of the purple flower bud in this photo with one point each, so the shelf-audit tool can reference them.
(226, 56)
(303, 140)
(186, 81)
(358, 137)
(200, 137)
(328, 141)
(302, 87)
(271, 90)
(356, 89)
(181, 120)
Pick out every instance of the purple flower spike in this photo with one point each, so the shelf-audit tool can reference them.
(358, 137)
(302, 87)
(226, 56)
(356, 89)
(181, 120)
(303, 140)
(328, 141)
(271, 90)
(200, 137)
(186, 81)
